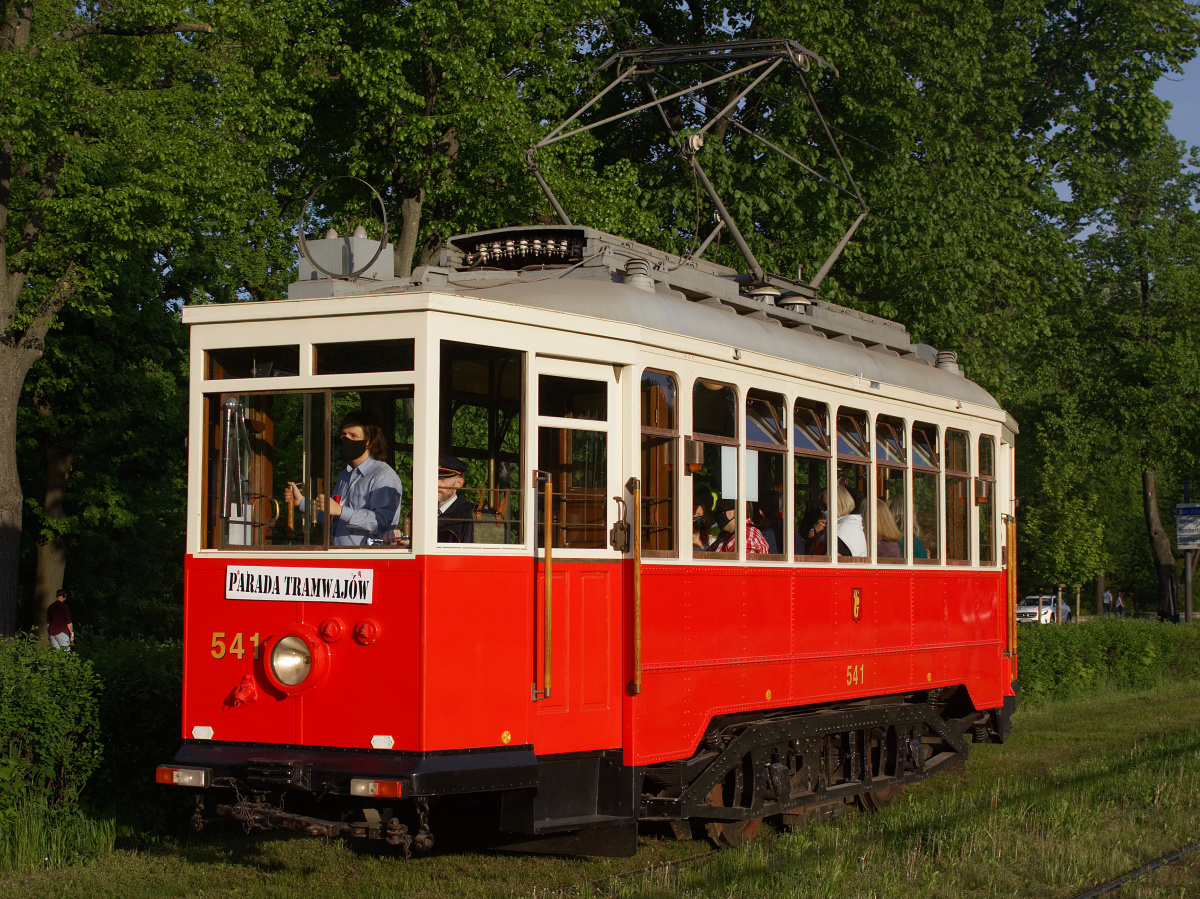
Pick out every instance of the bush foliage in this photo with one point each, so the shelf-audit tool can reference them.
(140, 715)
(1060, 661)
(49, 726)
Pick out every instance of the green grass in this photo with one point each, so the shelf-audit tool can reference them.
(1086, 790)
(37, 838)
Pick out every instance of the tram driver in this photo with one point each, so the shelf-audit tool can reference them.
(365, 504)
(456, 515)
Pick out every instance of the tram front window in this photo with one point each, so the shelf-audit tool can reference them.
(309, 469)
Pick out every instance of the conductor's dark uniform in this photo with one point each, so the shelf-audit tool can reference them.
(456, 522)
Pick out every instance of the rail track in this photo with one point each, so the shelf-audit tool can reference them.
(1113, 885)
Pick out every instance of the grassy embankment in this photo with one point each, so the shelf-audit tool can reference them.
(1087, 788)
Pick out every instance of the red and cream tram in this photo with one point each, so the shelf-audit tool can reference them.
(587, 660)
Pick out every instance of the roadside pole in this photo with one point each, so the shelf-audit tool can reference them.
(1058, 608)
(1078, 607)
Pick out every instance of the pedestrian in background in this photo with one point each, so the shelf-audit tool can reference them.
(58, 621)
(1106, 601)
(1120, 607)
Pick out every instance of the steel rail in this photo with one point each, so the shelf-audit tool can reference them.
(1116, 884)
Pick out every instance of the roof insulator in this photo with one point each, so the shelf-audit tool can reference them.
(637, 274)
(947, 360)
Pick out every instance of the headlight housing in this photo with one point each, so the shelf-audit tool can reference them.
(296, 659)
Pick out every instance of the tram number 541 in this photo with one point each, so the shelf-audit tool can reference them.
(855, 675)
(236, 647)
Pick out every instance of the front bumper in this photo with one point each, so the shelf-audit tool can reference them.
(329, 770)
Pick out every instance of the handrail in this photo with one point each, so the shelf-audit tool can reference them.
(1010, 528)
(547, 573)
(635, 488)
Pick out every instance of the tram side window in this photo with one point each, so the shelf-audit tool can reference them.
(891, 464)
(958, 496)
(985, 492)
(275, 468)
(766, 451)
(854, 489)
(660, 439)
(480, 423)
(926, 465)
(715, 471)
(576, 460)
(810, 445)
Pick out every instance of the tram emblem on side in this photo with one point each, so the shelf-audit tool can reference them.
(856, 603)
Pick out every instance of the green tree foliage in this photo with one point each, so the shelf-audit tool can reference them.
(434, 104)
(126, 126)
(172, 146)
(117, 382)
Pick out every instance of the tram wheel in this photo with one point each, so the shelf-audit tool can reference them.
(730, 833)
(876, 800)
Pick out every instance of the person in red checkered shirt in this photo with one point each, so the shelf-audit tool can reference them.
(726, 542)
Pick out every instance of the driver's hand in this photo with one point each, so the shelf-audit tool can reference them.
(292, 494)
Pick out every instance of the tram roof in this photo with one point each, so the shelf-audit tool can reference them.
(589, 273)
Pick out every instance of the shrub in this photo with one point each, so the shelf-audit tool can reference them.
(1062, 660)
(140, 715)
(49, 729)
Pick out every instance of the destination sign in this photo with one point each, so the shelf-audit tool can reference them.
(299, 584)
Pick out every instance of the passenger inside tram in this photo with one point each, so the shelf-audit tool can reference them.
(702, 503)
(726, 542)
(770, 521)
(811, 531)
(888, 546)
(365, 504)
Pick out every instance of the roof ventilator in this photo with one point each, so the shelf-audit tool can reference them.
(947, 360)
(768, 296)
(637, 274)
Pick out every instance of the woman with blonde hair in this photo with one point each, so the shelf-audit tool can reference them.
(888, 544)
(852, 539)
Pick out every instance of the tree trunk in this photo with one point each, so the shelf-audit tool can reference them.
(14, 366)
(1100, 585)
(52, 553)
(1160, 546)
(410, 223)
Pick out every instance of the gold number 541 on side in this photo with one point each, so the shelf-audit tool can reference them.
(235, 647)
(855, 675)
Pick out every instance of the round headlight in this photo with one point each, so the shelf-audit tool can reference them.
(291, 660)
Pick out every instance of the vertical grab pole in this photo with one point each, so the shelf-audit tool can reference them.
(544, 478)
(1010, 527)
(635, 488)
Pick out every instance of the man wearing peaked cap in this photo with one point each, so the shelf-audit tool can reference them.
(456, 516)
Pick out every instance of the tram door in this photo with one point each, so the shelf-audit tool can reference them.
(577, 702)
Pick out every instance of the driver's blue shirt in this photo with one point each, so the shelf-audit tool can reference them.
(370, 495)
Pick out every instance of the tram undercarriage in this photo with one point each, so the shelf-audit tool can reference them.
(796, 766)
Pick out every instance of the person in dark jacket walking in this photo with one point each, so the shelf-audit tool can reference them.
(58, 621)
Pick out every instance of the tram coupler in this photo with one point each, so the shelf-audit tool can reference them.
(261, 816)
(423, 840)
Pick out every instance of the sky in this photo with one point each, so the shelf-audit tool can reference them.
(1183, 93)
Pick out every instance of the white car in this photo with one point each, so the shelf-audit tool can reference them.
(1027, 609)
